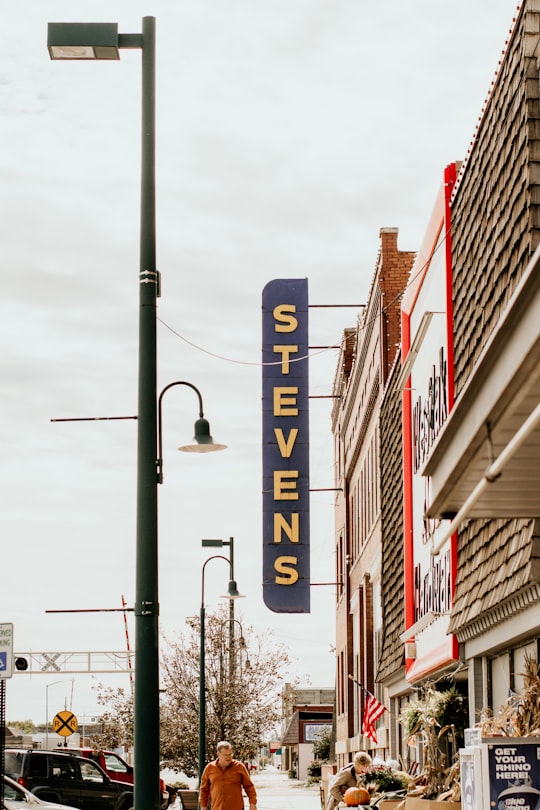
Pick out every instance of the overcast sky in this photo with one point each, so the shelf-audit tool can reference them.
(288, 133)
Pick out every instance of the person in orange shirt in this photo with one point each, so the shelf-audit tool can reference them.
(222, 781)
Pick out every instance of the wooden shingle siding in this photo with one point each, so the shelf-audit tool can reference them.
(496, 207)
(391, 454)
(496, 561)
(495, 230)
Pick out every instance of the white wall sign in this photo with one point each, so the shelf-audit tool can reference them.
(6, 650)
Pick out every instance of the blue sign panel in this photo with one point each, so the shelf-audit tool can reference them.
(286, 446)
(514, 773)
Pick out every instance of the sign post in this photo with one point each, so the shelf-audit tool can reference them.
(6, 671)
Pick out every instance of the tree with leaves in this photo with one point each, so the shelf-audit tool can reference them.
(242, 690)
(24, 726)
(322, 744)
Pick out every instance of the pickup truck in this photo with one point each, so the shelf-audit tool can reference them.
(118, 769)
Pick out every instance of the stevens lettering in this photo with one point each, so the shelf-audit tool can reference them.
(285, 447)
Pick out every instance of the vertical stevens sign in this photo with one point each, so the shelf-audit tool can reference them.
(285, 446)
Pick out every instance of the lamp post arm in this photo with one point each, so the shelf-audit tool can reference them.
(159, 460)
(130, 41)
(213, 557)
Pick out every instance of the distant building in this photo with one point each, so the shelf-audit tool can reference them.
(305, 712)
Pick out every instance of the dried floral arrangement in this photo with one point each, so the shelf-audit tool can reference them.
(435, 715)
(429, 721)
(520, 714)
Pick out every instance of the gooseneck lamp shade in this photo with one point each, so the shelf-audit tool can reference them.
(233, 592)
(83, 41)
(202, 440)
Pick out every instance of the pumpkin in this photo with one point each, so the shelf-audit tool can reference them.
(356, 795)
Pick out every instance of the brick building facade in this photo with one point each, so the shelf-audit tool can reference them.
(366, 356)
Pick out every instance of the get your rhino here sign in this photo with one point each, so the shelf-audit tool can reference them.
(513, 771)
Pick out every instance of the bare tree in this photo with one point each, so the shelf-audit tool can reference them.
(116, 721)
(244, 675)
(243, 683)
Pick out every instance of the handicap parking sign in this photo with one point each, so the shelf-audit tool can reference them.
(6, 650)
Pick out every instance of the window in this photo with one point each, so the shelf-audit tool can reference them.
(114, 763)
(13, 763)
(14, 794)
(38, 766)
(90, 772)
(63, 768)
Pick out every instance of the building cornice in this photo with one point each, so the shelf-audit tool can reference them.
(499, 613)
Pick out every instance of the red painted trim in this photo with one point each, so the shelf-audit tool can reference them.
(436, 659)
(440, 219)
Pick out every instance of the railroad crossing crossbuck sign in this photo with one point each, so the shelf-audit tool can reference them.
(64, 723)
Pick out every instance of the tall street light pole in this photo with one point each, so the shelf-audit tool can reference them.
(67, 41)
(232, 594)
(102, 41)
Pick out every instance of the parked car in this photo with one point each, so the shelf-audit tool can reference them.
(18, 798)
(119, 770)
(64, 778)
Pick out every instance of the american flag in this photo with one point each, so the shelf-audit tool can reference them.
(372, 711)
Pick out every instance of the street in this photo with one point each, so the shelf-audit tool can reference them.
(275, 791)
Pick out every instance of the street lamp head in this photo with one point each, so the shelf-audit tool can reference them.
(202, 440)
(233, 592)
(83, 40)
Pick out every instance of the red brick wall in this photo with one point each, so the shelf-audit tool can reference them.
(395, 266)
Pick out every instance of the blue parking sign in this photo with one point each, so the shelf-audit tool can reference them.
(6, 650)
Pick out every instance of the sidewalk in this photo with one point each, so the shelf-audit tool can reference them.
(275, 791)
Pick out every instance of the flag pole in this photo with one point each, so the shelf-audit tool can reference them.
(367, 692)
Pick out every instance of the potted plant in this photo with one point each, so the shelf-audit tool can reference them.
(385, 784)
(314, 771)
(383, 779)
